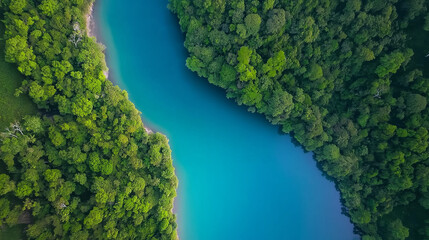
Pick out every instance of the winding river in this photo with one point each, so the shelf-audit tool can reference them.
(238, 177)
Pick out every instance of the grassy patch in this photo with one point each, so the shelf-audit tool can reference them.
(11, 108)
(14, 233)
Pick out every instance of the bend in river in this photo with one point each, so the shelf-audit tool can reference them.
(239, 178)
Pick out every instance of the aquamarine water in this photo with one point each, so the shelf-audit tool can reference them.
(239, 179)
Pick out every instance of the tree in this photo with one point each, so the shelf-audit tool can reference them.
(4, 209)
(94, 218)
(52, 175)
(123, 140)
(245, 70)
(17, 6)
(244, 55)
(49, 7)
(37, 92)
(276, 21)
(366, 53)
(353, 5)
(253, 23)
(396, 231)
(275, 65)
(82, 106)
(281, 103)
(415, 103)
(6, 185)
(17, 49)
(390, 63)
(241, 30)
(251, 95)
(80, 178)
(361, 216)
(23, 189)
(56, 137)
(228, 75)
(331, 152)
(195, 64)
(268, 5)
(315, 72)
(139, 185)
(33, 124)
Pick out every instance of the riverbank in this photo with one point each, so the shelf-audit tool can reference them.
(93, 31)
(90, 25)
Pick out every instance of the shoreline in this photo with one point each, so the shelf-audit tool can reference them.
(90, 26)
(92, 31)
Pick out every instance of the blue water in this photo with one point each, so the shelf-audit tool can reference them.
(238, 177)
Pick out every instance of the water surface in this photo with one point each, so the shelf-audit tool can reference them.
(238, 177)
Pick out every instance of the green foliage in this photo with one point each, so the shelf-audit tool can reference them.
(331, 152)
(17, 6)
(268, 4)
(343, 79)
(281, 103)
(84, 168)
(396, 231)
(245, 70)
(33, 124)
(228, 76)
(415, 103)
(49, 7)
(315, 72)
(81, 107)
(94, 218)
(253, 23)
(390, 64)
(276, 21)
(13, 107)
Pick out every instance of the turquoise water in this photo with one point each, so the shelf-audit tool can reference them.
(239, 178)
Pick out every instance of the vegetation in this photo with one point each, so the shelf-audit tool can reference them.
(345, 78)
(14, 233)
(12, 108)
(85, 168)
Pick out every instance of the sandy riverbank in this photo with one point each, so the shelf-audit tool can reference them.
(93, 31)
(90, 25)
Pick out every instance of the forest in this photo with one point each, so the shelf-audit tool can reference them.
(347, 79)
(83, 166)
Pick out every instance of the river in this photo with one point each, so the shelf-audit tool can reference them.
(239, 178)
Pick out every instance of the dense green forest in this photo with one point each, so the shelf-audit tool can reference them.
(346, 78)
(83, 167)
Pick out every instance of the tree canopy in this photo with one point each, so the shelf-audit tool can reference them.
(84, 167)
